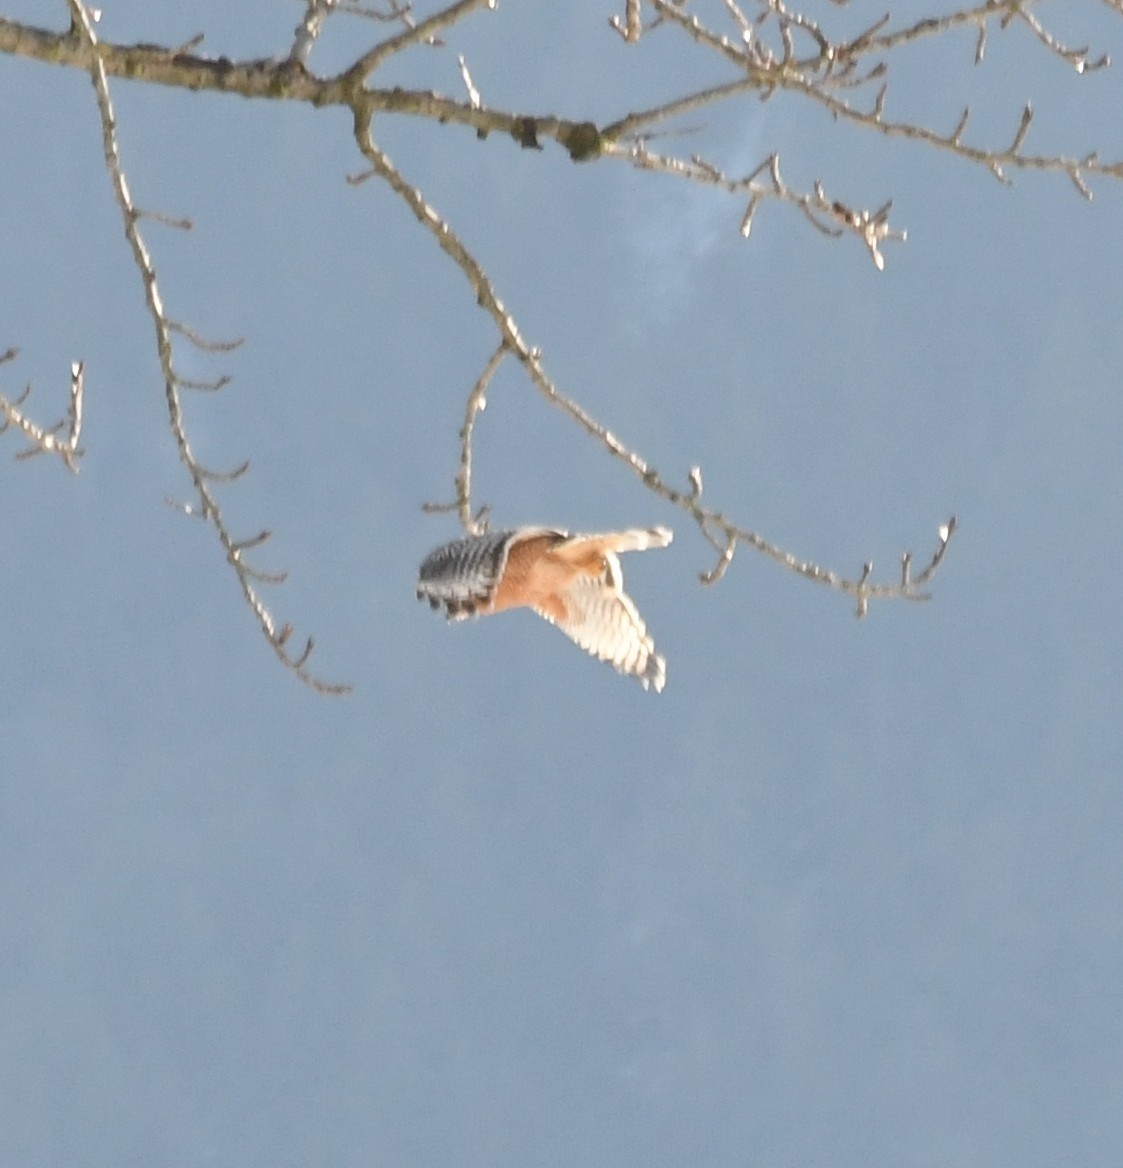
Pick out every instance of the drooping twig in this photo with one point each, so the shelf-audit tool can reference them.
(477, 403)
(473, 522)
(201, 478)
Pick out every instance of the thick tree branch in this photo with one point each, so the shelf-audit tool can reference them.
(820, 78)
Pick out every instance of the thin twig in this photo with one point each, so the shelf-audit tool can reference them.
(632, 24)
(802, 76)
(477, 403)
(164, 328)
(46, 439)
(417, 34)
(830, 216)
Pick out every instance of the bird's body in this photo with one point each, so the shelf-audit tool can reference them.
(573, 581)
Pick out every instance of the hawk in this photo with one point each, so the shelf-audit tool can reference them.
(573, 581)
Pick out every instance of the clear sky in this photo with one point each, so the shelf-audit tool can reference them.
(847, 893)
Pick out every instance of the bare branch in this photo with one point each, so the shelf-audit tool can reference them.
(694, 477)
(413, 35)
(473, 92)
(211, 386)
(1023, 130)
(530, 358)
(830, 216)
(164, 329)
(45, 439)
(996, 161)
(771, 48)
(632, 25)
(744, 26)
(830, 68)
(166, 220)
(811, 77)
(725, 557)
(1004, 11)
(477, 403)
(307, 31)
(200, 342)
(240, 545)
(961, 125)
(631, 125)
(225, 476)
(190, 45)
(394, 11)
(1077, 58)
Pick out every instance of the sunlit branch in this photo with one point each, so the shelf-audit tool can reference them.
(829, 216)
(689, 500)
(48, 439)
(812, 77)
(632, 24)
(996, 160)
(633, 124)
(473, 523)
(764, 46)
(833, 68)
(201, 477)
(415, 34)
(309, 28)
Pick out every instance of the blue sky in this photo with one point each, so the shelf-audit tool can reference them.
(845, 893)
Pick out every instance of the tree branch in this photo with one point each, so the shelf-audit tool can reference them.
(45, 439)
(476, 523)
(201, 478)
(530, 358)
(769, 45)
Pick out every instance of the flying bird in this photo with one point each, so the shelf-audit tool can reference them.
(573, 581)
